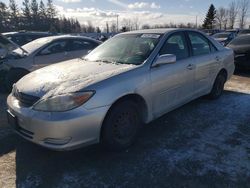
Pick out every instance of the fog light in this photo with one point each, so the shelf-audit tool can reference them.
(57, 141)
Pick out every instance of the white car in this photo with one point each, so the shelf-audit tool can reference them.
(42, 52)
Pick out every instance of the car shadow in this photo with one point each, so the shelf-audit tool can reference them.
(139, 166)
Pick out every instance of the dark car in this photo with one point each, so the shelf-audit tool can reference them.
(244, 32)
(241, 47)
(25, 37)
(224, 38)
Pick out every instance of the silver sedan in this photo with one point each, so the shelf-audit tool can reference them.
(127, 81)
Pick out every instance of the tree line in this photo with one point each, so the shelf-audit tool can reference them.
(227, 17)
(34, 16)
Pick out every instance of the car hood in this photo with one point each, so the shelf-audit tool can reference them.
(67, 77)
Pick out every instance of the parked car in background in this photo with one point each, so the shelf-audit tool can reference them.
(224, 38)
(210, 32)
(241, 47)
(6, 46)
(130, 79)
(244, 32)
(42, 52)
(235, 31)
(23, 37)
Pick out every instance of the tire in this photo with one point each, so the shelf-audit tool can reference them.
(121, 126)
(13, 76)
(218, 86)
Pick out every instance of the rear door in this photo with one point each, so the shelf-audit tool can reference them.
(172, 84)
(53, 53)
(206, 61)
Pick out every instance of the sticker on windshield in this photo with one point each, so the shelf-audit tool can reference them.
(154, 36)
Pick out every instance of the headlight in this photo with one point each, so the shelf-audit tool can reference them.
(63, 102)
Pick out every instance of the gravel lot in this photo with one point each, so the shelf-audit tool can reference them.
(202, 144)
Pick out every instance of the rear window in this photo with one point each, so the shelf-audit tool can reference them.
(241, 41)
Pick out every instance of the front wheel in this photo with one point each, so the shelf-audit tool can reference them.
(120, 127)
(218, 87)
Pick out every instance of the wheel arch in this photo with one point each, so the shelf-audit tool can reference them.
(224, 72)
(137, 99)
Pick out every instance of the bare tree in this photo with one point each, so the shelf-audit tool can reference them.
(232, 13)
(135, 23)
(221, 16)
(127, 24)
(113, 27)
(243, 8)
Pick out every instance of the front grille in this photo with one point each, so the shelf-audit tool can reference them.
(25, 99)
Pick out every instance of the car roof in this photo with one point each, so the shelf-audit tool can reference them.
(51, 38)
(26, 32)
(223, 33)
(159, 31)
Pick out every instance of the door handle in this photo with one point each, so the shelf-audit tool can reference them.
(217, 58)
(190, 67)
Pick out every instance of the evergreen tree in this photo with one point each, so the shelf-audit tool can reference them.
(3, 17)
(51, 11)
(26, 14)
(34, 13)
(43, 21)
(42, 10)
(210, 18)
(14, 13)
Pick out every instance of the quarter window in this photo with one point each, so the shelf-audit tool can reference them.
(176, 44)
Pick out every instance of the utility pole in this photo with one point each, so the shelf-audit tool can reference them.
(117, 26)
(196, 25)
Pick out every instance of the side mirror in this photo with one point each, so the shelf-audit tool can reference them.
(164, 59)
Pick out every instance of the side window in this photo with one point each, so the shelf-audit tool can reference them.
(200, 44)
(55, 47)
(80, 45)
(176, 44)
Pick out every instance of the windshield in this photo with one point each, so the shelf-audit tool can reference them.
(221, 35)
(33, 45)
(245, 40)
(125, 49)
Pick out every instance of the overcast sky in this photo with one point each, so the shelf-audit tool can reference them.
(148, 12)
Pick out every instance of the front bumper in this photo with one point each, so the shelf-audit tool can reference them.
(58, 130)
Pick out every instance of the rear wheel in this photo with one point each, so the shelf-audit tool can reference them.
(218, 86)
(13, 76)
(120, 127)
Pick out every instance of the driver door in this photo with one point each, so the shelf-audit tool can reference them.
(173, 84)
(55, 52)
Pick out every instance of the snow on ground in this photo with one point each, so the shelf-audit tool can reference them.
(202, 144)
(238, 84)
